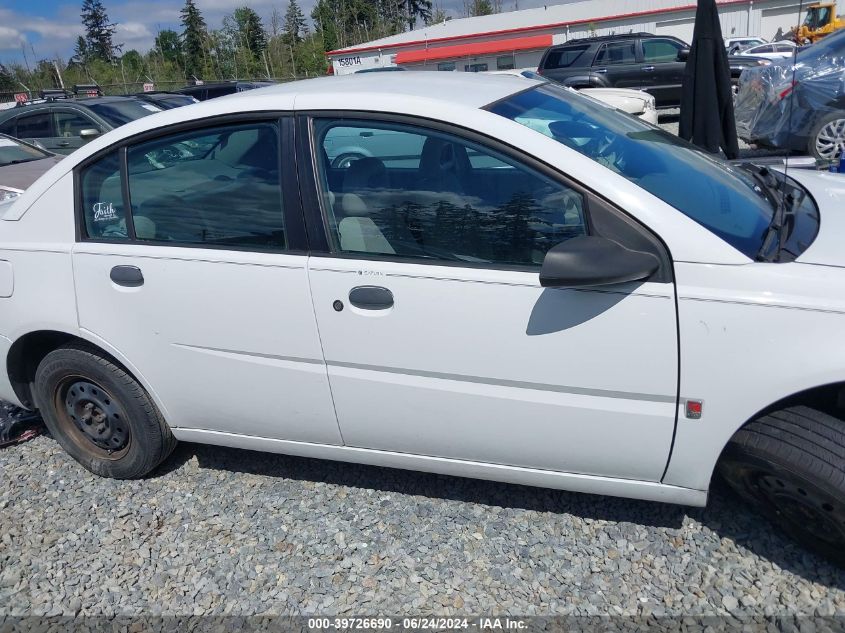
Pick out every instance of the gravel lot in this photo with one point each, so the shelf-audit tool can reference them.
(224, 531)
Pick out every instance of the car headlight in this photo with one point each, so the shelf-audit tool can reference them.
(9, 193)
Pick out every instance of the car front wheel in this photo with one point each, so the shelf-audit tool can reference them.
(827, 140)
(791, 465)
(99, 414)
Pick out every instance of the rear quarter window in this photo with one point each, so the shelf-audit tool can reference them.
(565, 57)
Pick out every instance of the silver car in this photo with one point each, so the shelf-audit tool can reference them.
(20, 165)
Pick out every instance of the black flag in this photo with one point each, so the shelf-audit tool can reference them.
(707, 111)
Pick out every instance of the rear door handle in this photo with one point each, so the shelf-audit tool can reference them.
(601, 70)
(129, 276)
(648, 69)
(371, 298)
(64, 143)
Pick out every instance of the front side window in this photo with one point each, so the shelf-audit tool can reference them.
(418, 193)
(70, 124)
(617, 53)
(35, 125)
(212, 187)
(657, 51)
(102, 199)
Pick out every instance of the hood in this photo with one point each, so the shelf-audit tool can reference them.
(828, 190)
(21, 176)
(625, 99)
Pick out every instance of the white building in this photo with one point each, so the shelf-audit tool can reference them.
(517, 39)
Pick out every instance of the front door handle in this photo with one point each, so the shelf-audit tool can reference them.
(601, 70)
(129, 276)
(63, 143)
(648, 69)
(371, 298)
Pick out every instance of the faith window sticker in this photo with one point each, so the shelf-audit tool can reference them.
(104, 212)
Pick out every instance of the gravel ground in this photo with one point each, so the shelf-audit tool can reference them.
(223, 531)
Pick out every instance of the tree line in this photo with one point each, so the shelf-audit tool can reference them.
(243, 46)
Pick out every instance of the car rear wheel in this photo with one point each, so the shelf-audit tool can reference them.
(99, 414)
(827, 140)
(791, 465)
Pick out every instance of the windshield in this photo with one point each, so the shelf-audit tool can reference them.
(12, 152)
(117, 113)
(817, 17)
(722, 198)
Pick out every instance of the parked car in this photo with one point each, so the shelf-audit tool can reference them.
(798, 106)
(735, 44)
(63, 125)
(548, 292)
(635, 102)
(20, 165)
(773, 51)
(166, 100)
(202, 92)
(640, 60)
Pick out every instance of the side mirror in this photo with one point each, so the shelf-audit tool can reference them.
(594, 261)
(683, 55)
(88, 133)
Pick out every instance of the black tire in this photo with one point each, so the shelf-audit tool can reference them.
(99, 414)
(830, 123)
(791, 465)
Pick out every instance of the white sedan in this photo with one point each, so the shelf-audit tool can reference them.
(774, 51)
(638, 103)
(525, 286)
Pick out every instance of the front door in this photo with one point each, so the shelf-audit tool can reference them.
(438, 338)
(199, 283)
(663, 72)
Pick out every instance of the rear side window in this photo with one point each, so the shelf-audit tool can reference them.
(8, 127)
(35, 125)
(212, 187)
(102, 199)
(617, 53)
(564, 57)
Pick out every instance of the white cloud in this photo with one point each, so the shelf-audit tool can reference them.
(10, 38)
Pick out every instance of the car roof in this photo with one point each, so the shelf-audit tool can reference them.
(66, 103)
(605, 38)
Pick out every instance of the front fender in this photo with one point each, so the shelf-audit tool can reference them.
(750, 336)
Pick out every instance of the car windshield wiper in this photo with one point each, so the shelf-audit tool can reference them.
(18, 161)
(784, 205)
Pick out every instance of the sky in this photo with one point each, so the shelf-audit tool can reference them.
(50, 27)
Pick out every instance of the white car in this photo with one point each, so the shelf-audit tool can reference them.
(549, 293)
(639, 103)
(735, 44)
(773, 51)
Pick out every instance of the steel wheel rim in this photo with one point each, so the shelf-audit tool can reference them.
(830, 141)
(93, 418)
(803, 509)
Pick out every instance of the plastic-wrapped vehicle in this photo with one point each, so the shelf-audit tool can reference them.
(798, 106)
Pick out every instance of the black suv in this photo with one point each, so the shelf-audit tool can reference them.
(654, 63)
(202, 92)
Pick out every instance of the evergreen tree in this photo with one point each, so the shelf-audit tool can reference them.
(479, 7)
(80, 51)
(413, 9)
(295, 24)
(98, 31)
(193, 39)
(251, 33)
(7, 81)
(168, 44)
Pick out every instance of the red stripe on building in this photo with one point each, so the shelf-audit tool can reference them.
(526, 29)
(475, 49)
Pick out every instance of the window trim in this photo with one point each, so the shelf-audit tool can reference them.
(317, 219)
(292, 215)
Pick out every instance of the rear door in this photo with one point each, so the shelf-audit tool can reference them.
(192, 263)
(663, 72)
(37, 125)
(617, 61)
